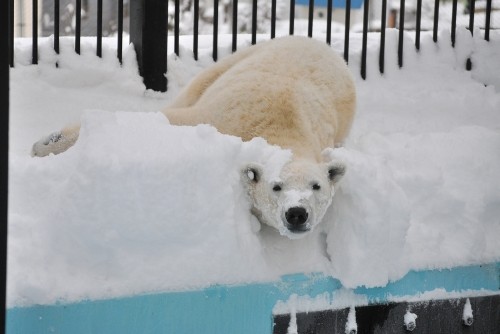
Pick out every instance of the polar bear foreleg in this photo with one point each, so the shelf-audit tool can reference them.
(56, 142)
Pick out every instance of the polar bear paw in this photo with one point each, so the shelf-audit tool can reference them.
(54, 143)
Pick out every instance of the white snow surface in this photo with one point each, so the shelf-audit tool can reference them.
(139, 206)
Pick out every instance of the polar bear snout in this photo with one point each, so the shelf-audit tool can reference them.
(296, 219)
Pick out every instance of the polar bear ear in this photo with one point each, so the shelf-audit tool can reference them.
(336, 170)
(252, 172)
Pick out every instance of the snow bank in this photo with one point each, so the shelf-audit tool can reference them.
(140, 206)
(136, 203)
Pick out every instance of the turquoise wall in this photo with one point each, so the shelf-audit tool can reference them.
(225, 309)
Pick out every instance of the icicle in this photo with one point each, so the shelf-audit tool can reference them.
(467, 316)
(351, 327)
(410, 321)
(292, 326)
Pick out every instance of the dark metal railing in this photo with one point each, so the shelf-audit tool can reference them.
(401, 32)
(56, 31)
(6, 39)
(34, 53)
(418, 24)
(148, 30)
(347, 29)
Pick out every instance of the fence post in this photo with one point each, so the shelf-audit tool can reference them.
(4, 146)
(148, 33)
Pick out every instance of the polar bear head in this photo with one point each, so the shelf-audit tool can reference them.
(297, 200)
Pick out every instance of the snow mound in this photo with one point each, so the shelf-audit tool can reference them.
(141, 206)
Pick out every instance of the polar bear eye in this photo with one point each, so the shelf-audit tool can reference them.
(277, 187)
(316, 186)
(253, 174)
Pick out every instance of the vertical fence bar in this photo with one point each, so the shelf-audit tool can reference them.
(196, 19)
(11, 32)
(56, 26)
(310, 18)
(418, 24)
(381, 56)
(292, 17)
(401, 32)
(273, 19)
(235, 26)
(119, 46)
(78, 25)
(177, 11)
(5, 28)
(99, 28)
(453, 22)
(254, 22)
(472, 8)
(347, 29)
(366, 11)
(329, 10)
(215, 45)
(436, 21)
(488, 21)
(148, 33)
(34, 32)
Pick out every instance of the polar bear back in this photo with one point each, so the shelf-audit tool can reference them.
(294, 92)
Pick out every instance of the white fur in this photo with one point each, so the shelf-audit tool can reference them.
(294, 92)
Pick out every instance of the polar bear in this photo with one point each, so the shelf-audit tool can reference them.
(294, 92)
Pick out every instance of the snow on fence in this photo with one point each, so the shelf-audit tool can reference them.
(149, 22)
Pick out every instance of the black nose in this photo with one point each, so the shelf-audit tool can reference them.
(296, 216)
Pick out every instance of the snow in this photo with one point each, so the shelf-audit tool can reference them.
(338, 299)
(351, 327)
(410, 320)
(292, 326)
(141, 206)
(467, 315)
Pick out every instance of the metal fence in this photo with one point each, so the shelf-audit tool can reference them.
(4, 154)
(150, 22)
